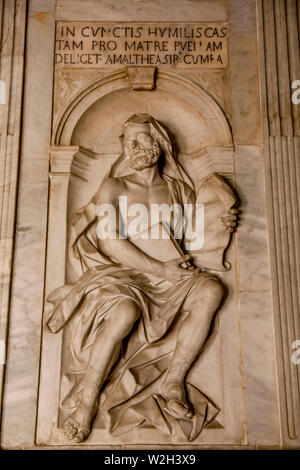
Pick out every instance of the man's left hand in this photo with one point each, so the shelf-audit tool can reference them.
(230, 219)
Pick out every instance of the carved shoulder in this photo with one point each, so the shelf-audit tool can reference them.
(110, 189)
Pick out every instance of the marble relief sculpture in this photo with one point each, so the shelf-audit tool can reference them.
(141, 316)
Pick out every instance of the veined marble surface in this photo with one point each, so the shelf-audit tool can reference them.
(254, 384)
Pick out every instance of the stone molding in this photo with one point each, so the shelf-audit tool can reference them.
(279, 66)
(12, 39)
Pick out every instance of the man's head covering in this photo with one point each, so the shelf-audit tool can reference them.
(170, 166)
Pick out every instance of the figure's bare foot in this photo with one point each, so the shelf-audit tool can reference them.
(78, 425)
(175, 396)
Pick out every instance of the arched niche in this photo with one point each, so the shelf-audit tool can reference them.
(85, 143)
(171, 83)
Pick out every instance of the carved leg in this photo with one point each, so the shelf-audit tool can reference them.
(104, 354)
(78, 425)
(202, 304)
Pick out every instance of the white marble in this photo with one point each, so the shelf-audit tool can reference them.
(243, 367)
(259, 369)
(128, 10)
(243, 66)
(22, 370)
(254, 267)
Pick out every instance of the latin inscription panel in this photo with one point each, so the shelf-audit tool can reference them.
(100, 45)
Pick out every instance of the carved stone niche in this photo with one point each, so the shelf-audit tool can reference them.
(85, 144)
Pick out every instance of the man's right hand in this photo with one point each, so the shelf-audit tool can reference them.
(173, 272)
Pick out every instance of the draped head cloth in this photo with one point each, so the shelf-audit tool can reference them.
(170, 165)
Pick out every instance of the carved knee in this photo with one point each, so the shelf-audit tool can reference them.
(213, 288)
(206, 296)
(122, 318)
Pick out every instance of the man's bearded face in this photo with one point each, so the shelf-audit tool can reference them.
(141, 150)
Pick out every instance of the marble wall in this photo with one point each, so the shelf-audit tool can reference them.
(259, 389)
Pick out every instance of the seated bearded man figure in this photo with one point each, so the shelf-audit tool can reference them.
(145, 287)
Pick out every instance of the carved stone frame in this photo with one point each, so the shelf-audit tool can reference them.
(62, 168)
